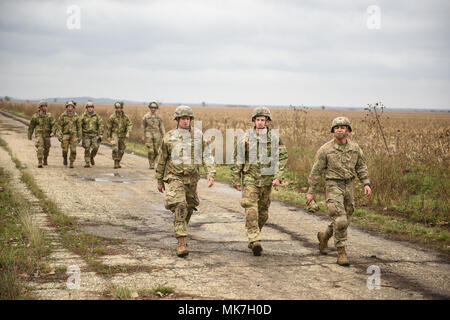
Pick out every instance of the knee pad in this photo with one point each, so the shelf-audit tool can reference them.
(350, 209)
(335, 208)
(341, 223)
(332, 208)
(181, 212)
(247, 203)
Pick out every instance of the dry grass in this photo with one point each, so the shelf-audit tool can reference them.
(407, 152)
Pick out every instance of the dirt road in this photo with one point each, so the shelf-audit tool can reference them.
(125, 204)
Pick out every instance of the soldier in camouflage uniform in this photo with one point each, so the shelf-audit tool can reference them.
(118, 129)
(178, 167)
(68, 129)
(153, 132)
(341, 160)
(255, 176)
(92, 129)
(42, 123)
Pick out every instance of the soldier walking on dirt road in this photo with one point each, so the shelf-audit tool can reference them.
(178, 167)
(42, 124)
(118, 129)
(339, 159)
(256, 177)
(68, 130)
(154, 131)
(92, 129)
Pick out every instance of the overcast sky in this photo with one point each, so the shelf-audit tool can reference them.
(280, 52)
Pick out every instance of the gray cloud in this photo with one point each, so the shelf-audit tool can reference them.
(255, 52)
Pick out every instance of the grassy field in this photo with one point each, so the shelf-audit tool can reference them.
(407, 155)
(23, 245)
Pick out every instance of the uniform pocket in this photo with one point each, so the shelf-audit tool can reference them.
(175, 194)
(249, 197)
(334, 160)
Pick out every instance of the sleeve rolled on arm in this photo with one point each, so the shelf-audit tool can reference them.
(161, 163)
(282, 161)
(320, 162)
(361, 169)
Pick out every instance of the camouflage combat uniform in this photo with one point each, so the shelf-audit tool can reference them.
(42, 125)
(257, 186)
(181, 174)
(154, 132)
(92, 127)
(341, 164)
(68, 130)
(118, 127)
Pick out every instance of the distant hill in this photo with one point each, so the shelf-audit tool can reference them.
(111, 101)
(80, 99)
(95, 100)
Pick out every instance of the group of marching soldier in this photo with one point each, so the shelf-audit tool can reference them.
(71, 129)
(341, 160)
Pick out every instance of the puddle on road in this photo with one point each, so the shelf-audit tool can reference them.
(115, 178)
(225, 190)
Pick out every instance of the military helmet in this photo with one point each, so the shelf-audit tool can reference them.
(42, 103)
(183, 111)
(118, 104)
(153, 104)
(261, 111)
(269, 117)
(341, 121)
(89, 104)
(71, 103)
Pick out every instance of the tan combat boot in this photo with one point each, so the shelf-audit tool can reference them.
(87, 165)
(342, 257)
(92, 161)
(116, 164)
(65, 160)
(40, 163)
(71, 164)
(323, 242)
(45, 161)
(182, 247)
